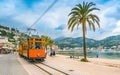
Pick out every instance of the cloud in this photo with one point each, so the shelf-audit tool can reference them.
(57, 16)
(27, 18)
(108, 20)
(54, 23)
(6, 8)
(116, 30)
(61, 27)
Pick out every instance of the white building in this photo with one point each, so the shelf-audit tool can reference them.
(4, 43)
(3, 39)
(119, 46)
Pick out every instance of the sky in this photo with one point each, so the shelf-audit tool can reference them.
(21, 14)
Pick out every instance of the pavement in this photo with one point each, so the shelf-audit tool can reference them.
(9, 65)
(76, 67)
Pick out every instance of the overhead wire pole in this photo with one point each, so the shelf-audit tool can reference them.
(44, 12)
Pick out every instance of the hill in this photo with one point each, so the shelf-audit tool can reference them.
(110, 41)
(11, 33)
(78, 42)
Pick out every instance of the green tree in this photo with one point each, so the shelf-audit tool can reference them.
(82, 15)
(3, 33)
(48, 41)
(12, 29)
(46, 38)
(10, 35)
(21, 40)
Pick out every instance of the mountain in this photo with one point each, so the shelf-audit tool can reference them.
(75, 42)
(78, 42)
(59, 38)
(110, 41)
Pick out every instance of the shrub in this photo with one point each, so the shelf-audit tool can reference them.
(84, 60)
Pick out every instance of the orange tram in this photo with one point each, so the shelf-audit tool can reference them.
(33, 49)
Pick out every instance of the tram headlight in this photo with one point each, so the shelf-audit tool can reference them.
(38, 55)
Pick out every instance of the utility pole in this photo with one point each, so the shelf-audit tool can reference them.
(31, 31)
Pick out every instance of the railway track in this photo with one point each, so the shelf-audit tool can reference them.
(49, 69)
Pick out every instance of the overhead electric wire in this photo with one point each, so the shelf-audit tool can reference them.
(44, 12)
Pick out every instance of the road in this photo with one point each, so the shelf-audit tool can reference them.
(9, 65)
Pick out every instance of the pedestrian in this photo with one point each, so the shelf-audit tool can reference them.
(53, 52)
(97, 56)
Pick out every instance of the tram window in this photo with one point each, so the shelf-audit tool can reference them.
(38, 45)
(31, 46)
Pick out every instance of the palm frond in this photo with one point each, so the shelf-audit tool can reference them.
(73, 26)
(93, 26)
(79, 6)
(82, 13)
(91, 9)
(91, 4)
(71, 20)
(94, 19)
(76, 9)
(89, 23)
(73, 13)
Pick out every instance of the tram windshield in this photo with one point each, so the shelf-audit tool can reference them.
(38, 45)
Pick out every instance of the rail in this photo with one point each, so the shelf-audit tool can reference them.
(44, 69)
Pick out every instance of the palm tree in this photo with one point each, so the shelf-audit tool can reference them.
(82, 15)
(46, 38)
(51, 43)
(48, 41)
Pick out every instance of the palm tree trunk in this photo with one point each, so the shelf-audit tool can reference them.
(84, 41)
(46, 47)
(51, 51)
